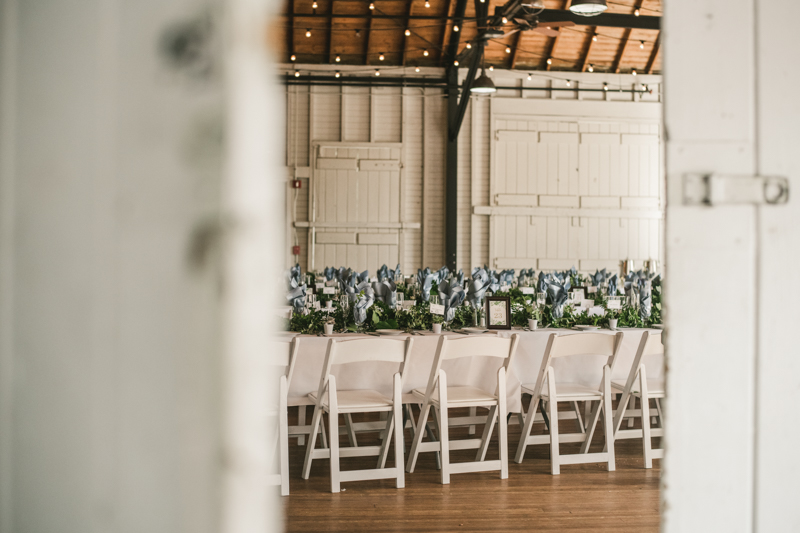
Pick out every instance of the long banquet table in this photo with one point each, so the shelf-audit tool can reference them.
(481, 371)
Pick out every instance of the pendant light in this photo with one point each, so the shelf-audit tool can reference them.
(588, 8)
(483, 85)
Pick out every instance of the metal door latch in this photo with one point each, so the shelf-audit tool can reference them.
(719, 189)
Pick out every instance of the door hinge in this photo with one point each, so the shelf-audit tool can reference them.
(721, 189)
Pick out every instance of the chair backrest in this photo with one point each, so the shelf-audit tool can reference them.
(650, 344)
(472, 346)
(363, 350)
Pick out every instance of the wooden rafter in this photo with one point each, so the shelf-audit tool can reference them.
(407, 39)
(330, 32)
(290, 31)
(366, 39)
(653, 55)
(554, 42)
(623, 44)
(585, 59)
(448, 29)
(515, 51)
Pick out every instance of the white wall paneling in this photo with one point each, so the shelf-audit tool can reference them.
(531, 169)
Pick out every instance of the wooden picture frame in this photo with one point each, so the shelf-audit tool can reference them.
(498, 312)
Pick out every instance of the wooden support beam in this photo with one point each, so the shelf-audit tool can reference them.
(653, 55)
(515, 51)
(366, 39)
(407, 39)
(554, 41)
(290, 32)
(330, 33)
(590, 43)
(448, 30)
(623, 44)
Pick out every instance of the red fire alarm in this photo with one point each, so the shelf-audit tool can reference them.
(297, 184)
(295, 250)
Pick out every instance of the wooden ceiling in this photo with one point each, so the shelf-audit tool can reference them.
(362, 40)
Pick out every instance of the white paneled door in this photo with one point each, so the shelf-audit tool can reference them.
(733, 385)
(356, 206)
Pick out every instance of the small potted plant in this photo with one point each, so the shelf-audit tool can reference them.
(329, 323)
(535, 318)
(613, 317)
(437, 320)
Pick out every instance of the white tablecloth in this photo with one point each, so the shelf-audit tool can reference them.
(480, 372)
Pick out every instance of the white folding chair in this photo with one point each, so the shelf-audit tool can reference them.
(442, 397)
(283, 357)
(336, 402)
(638, 386)
(301, 402)
(581, 344)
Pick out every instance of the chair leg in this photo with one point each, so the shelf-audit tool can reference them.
(587, 411)
(283, 435)
(530, 416)
(312, 440)
(503, 422)
(333, 422)
(488, 428)
(555, 465)
(631, 406)
(432, 437)
(384, 453)
(444, 428)
(645, 401)
(473, 411)
(608, 418)
(419, 433)
(351, 433)
(660, 414)
(399, 447)
(578, 419)
(301, 421)
(592, 425)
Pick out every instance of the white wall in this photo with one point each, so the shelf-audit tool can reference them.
(625, 223)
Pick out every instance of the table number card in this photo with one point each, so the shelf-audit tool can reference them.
(329, 290)
(437, 309)
(330, 283)
(614, 304)
(528, 290)
(316, 305)
(592, 290)
(407, 304)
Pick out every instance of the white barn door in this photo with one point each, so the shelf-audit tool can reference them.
(734, 373)
(356, 206)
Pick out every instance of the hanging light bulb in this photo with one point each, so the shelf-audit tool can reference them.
(636, 13)
(491, 68)
(455, 62)
(529, 77)
(549, 61)
(591, 68)
(371, 6)
(416, 69)
(314, 5)
(641, 45)
(338, 58)
(469, 46)
(508, 49)
(296, 73)
(308, 33)
(338, 74)
(293, 57)
(377, 72)
(427, 4)
(505, 20)
(455, 27)
(408, 32)
(633, 72)
(425, 52)
(380, 57)
(569, 83)
(594, 37)
(605, 86)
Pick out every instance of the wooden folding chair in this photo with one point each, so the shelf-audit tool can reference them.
(334, 402)
(442, 397)
(580, 344)
(638, 386)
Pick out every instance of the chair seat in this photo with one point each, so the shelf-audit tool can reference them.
(464, 395)
(655, 387)
(567, 391)
(294, 401)
(365, 400)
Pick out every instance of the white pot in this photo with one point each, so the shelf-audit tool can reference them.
(329, 304)
(437, 328)
(533, 323)
(612, 324)
(328, 328)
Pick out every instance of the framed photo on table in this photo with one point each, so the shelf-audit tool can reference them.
(498, 312)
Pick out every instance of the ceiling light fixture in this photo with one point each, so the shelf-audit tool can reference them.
(505, 20)
(641, 45)
(605, 86)
(588, 8)
(377, 72)
(529, 77)
(591, 68)
(549, 60)
(455, 27)
(569, 83)
(314, 5)
(633, 72)
(427, 4)
(594, 37)
(296, 73)
(469, 46)
(483, 85)
(416, 69)
(381, 56)
(491, 68)
(635, 12)
(408, 32)
(293, 57)
(455, 62)
(337, 74)
(338, 58)
(425, 52)
(508, 49)
(308, 33)
(371, 6)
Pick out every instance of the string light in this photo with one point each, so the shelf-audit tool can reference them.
(455, 27)
(641, 45)
(314, 5)
(296, 73)
(381, 56)
(371, 6)
(425, 52)
(338, 58)
(549, 61)
(505, 20)
(455, 62)
(605, 86)
(591, 68)
(469, 46)
(416, 69)
(377, 72)
(293, 57)
(508, 49)
(427, 4)
(408, 32)
(594, 37)
(569, 83)
(308, 33)
(529, 77)
(491, 68)
(358, 33)
(338, 74)
(633, 72)
(636, 13)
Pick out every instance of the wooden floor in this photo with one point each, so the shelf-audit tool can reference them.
(582, 498)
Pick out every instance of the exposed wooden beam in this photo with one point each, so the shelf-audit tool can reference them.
(585, 59)
(554, 42)
(366, 39)
(330, 32)
(448, 30)
(407, 39)
(653, 55)
(290, 31)
(623, 44)
(515, 51)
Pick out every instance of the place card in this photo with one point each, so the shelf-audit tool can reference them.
(319, 286)
(614, 304)
(437, 309)
(329, 290)
(316, 305)
(528, 290)
(408, 304)
(592, 290)
(330, 283)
